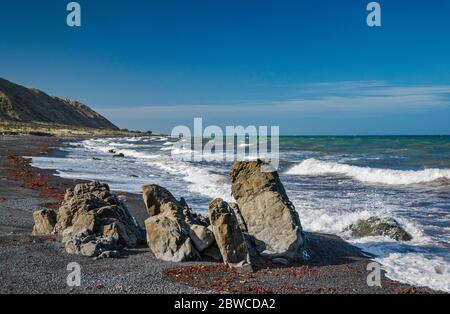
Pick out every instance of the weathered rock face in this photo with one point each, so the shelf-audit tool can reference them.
(202, 237)
(375, 226)
(44, 222)
(168, 240)
(92, 221)
(157, 199)
(174, 233)
(228, 235)
(270, 218)
(89, 245)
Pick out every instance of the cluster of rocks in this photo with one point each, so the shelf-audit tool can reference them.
(91, 221)
(174, 233)
(263, 223)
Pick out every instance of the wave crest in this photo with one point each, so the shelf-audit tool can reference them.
(373, 175)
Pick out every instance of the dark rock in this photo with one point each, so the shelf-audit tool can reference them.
(213, 253)
(38, 133)
(375, 226)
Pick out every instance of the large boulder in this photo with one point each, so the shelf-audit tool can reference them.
(92, 220)
(44, 222)
(270, 218)
(169, 240)
(375, 226)
(228, 235)
(174, 233)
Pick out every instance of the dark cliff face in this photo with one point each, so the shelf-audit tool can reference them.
(19, 103)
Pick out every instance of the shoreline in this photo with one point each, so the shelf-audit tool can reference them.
(336, 267)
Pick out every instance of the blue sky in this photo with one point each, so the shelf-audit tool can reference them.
(309, 66)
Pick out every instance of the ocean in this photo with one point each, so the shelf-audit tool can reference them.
(333, 181)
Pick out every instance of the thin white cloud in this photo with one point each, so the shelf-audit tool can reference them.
(326, 97)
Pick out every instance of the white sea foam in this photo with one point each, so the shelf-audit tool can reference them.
(421, 262)
(418, 269)
(136, 154)
(365, 174)
(200, 180)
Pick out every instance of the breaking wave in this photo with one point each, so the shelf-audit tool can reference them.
(312, 167)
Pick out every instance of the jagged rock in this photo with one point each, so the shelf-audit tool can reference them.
(169, 240)
(157, 199)
(87, 244)
(92, 220)
(249, 240)
(44, 222)
(375, 226)
(228, 235)
(269, 216)
(168, 228)
(193, 218)
(201, 236)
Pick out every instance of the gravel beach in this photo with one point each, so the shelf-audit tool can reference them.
(31, 264)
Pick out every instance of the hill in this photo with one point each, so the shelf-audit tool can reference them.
(22, 104)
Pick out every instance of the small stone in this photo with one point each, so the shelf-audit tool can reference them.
(44, 222)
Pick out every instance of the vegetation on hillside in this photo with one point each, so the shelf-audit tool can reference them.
(54, 129)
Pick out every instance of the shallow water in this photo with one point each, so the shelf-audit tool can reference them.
(333, 181)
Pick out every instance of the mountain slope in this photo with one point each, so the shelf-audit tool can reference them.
(19, 103)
